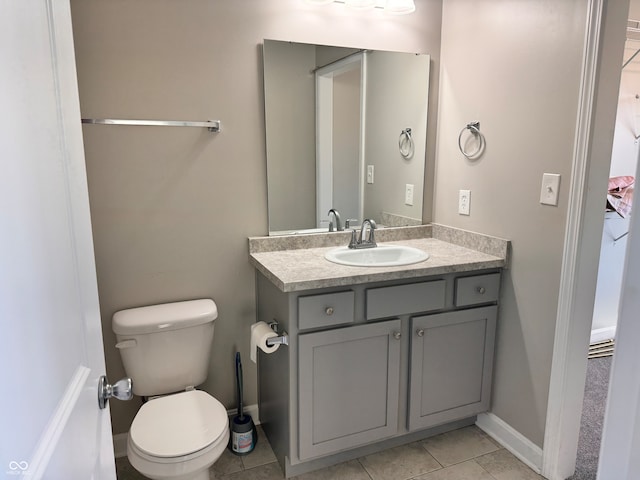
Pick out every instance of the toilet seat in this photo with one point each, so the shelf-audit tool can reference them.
(190, 467)
(177, 426)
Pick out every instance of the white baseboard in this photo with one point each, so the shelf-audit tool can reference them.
(120, 445)
(511, 439)
(602, 334)
(120, 439)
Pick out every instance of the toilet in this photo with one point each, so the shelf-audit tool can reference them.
(179, 432)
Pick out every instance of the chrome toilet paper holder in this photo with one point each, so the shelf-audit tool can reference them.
(282, 339)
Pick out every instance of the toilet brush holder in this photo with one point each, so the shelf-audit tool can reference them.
(243, 436)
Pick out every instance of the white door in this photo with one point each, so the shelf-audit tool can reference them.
(51, 354)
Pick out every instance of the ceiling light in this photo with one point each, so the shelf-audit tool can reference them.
(392, 7)
(400, 7)
(360, 4)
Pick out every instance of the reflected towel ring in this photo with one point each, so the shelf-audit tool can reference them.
(474, 128)
(405, 143)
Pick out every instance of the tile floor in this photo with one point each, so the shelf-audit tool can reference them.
(464, 454)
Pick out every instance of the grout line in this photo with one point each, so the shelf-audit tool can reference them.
(364, 468)
(484, 469)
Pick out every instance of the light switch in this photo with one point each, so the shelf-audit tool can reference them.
(369, 173)
(550, 189)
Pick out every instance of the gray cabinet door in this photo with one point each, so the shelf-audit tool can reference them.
(348, 387)
(451, 365)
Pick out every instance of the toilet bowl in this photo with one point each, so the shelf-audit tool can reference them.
(165, 349)
(178, 436)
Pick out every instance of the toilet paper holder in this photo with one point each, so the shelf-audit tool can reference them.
(279, 340)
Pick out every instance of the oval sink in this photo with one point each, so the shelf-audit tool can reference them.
(380, 256)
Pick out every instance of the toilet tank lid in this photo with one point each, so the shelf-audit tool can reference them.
(163, 317)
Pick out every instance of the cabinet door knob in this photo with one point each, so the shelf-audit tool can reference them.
(397, 335)
(420, 332)
(480, 290)
(329, 310)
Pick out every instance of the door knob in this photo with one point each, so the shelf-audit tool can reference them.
(122, 390)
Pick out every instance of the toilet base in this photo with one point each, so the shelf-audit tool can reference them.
(204, 475)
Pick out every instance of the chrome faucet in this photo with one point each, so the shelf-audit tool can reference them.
(339, 227)
(359, 241)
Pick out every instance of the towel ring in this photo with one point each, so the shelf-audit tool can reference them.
(405, 143)
(474, 128)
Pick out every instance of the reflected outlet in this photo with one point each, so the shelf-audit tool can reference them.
(464, 202)
(408, 194)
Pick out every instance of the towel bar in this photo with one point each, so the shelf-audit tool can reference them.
(211, 125)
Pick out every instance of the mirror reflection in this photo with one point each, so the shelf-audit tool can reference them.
(345, 130)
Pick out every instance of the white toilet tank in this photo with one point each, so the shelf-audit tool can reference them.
(166, 348)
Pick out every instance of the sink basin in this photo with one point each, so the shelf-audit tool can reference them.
(380, 256)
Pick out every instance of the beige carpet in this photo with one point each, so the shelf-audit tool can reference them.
(595, 400)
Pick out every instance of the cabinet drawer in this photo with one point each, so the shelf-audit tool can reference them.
(405, 299)
(325, 310)
(477, 289)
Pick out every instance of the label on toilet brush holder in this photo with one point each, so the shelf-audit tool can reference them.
(242, 442)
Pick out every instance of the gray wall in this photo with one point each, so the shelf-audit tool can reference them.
(397, 97)
(172, 208)
(346, 142)
(515, 67)
(290, 134)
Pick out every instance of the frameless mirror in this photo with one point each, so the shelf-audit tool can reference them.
(345, 129)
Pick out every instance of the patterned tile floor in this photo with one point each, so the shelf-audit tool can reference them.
(464, 454)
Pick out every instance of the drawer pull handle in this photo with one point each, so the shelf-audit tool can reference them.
(329, 310)
(480, 290)
(420, 332)
(396, 335)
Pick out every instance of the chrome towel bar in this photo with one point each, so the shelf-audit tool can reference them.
(211, 125)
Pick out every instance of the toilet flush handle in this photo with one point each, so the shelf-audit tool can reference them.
(128, 343)
(122, 390)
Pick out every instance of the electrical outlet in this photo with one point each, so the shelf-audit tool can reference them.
(550, 188)
(369, 173)
(464, 202)
(408, 194)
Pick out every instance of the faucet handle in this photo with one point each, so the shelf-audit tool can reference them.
(354, 239)
(347, 222)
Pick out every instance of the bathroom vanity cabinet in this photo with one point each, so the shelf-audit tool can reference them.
(375, 364)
